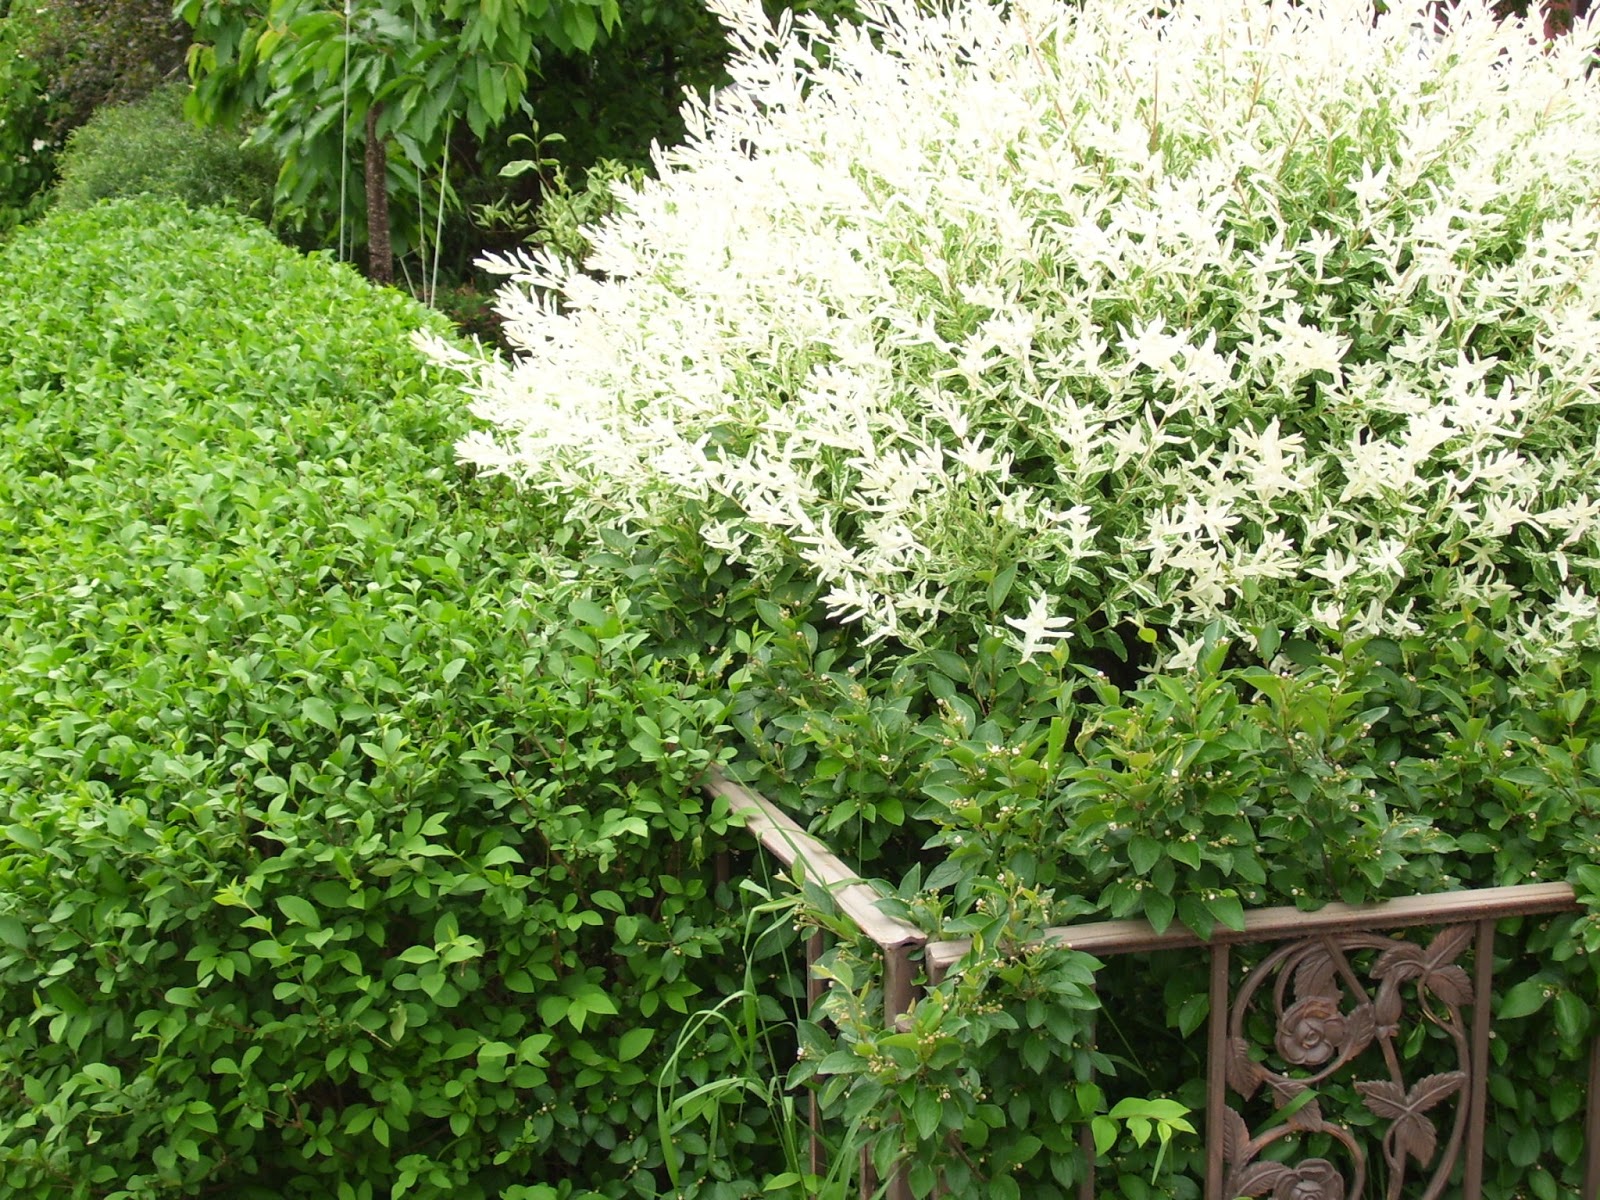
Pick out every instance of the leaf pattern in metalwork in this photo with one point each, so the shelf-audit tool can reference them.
(1363, 1025)
(1257, 1179)
(1245, 1076)
(1387, 1008)
(1399, 963)
(1448, 945)
(1235, 1137)
(1450, 984)
(1414, 1133)
(1360, 1026)
(1434, 967)
(1307, 1117)
(1316, 976)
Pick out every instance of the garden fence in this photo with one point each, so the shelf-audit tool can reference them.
(1336, 983)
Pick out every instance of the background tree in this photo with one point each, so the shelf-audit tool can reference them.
(375, 77)
(60, 60)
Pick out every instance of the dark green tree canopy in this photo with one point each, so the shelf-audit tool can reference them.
(323, 80)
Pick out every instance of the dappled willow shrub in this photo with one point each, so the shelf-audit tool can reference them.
(1266, 316)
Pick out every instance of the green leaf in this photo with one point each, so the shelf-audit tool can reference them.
(593, 999)
(299, 910)
(1525, 999)
(1158, 909)
(518, 980)
(106, 1075)
(1104, 1130)
(501, 855)
(633, 1043)
(1572, 1017)
(1524, 1146)
(1187, 853)
(1143, 852)
(25, 837)
(1227, 910)
(1196, 915)
(1587, 879)
(587, 612)
(1000, 586)
(318, 711)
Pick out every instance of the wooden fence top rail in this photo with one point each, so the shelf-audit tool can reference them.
(783, 838)
(1136, 935)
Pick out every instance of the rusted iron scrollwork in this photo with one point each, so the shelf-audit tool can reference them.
(1326, 1017)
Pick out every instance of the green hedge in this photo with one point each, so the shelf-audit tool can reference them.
(150, 148)
(337, 859)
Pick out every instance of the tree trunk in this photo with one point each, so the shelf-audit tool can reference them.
(380, 258)
(1558, 16)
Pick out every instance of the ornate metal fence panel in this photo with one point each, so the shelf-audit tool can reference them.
(1327, 1004)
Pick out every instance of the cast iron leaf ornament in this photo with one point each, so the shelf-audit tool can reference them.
(1300, 1111)
(1327, 1015)
(1410, 1132)
(1434, 967)
(1245, 1075)
(1235, 1138)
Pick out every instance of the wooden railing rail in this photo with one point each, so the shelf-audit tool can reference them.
(1138, 936)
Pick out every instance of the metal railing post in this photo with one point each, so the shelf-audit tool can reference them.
(817, 1158)
(781, 836)
(1477, 1110)
(1591, 1166)
(1216, 1070)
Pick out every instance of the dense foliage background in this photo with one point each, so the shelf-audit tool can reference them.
(353, 843)
(147, 147)
(59, 62)
(458, 93)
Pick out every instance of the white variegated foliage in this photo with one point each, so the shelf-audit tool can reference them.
(1265, 313)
